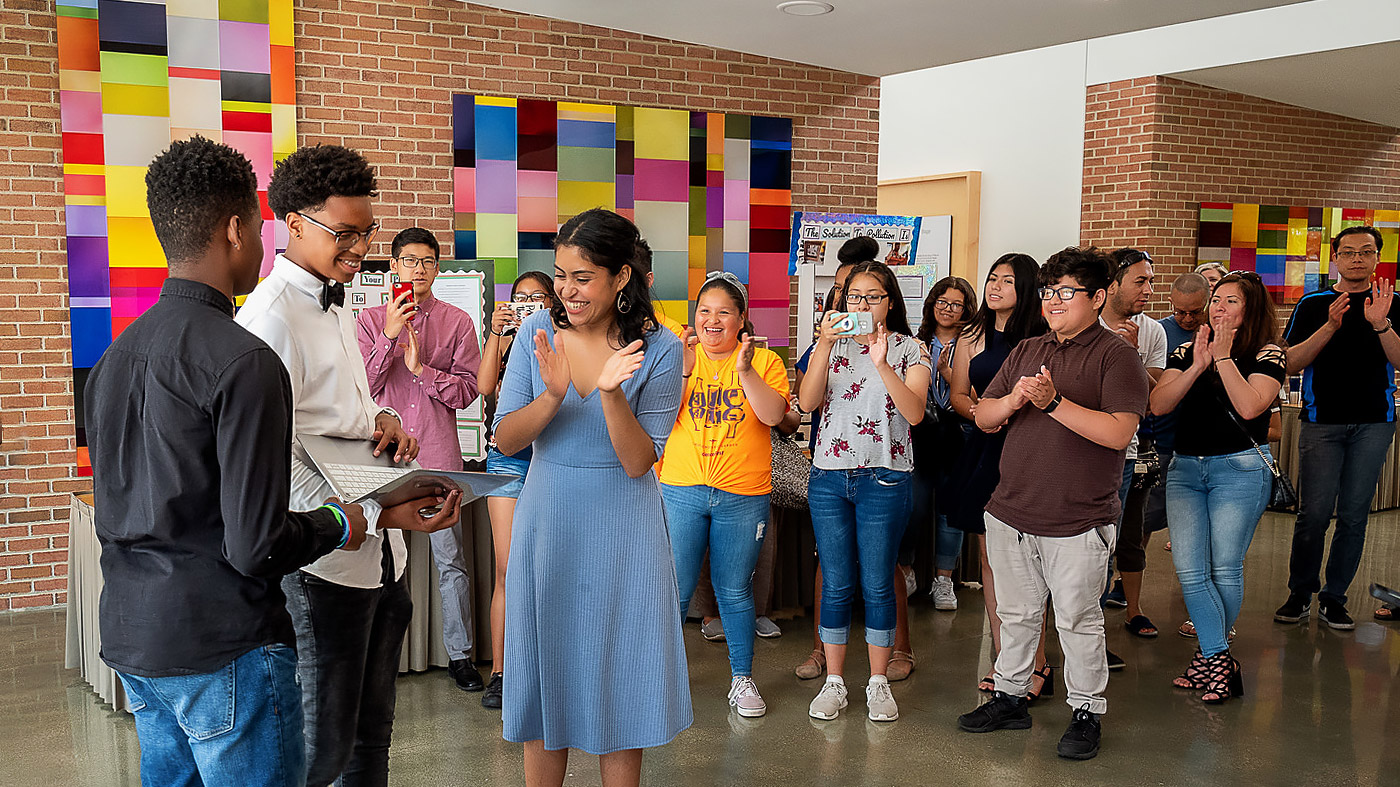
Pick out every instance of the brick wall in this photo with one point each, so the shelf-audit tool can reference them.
(378, 77)
(1155, 147)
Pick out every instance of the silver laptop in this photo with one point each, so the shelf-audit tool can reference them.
(356, 474)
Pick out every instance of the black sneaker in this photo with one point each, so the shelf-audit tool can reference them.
(1081, 740)
(1295, 609)
(1001, 712)
(1115, 661)
(492, 697)
(1115, 597)
(1334, 614)
(465, 675)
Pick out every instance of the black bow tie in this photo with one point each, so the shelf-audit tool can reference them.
(332, 294)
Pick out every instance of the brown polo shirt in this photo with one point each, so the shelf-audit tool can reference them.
(1054, 482)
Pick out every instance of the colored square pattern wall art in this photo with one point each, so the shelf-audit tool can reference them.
(709, 191)
(1289, 247)
(133, 77)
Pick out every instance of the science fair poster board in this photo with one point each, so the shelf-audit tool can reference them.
(465, 289)
(917, 248)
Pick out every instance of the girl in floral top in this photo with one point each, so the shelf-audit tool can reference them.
(870, 389)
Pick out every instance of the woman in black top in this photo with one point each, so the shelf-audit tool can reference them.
(1221, 387)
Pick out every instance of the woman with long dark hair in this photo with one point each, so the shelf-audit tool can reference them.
(1221, 386)
(586, 592)
(530, 287)
(871, 388)
(1010, 312)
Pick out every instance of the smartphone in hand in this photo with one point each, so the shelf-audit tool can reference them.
(401, 287)
(854, 324)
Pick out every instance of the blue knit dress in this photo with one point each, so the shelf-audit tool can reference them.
(594, 656)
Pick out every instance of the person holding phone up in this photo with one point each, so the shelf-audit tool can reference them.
(870, 387)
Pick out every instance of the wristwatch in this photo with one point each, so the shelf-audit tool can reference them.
(1050, 408)
(1387, 327)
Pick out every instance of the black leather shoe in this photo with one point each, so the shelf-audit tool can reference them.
(1081, 740)
(1001, 712)
(465, 675)
(492, 698)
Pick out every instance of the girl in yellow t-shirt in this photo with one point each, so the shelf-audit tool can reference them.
(716, 470)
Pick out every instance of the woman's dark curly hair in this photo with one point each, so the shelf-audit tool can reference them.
(303, 181)
(192, 188)
(609, 241)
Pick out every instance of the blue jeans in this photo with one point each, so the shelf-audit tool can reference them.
(1338, 468)
(858, 516)
(1213, 505)
(732, 528)
(240, 725)
(926, 504)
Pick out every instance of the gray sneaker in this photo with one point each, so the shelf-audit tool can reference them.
(880, 701)
(829, 702)
(766, 628)
(943, 596)
(744, 697)
(713, 631)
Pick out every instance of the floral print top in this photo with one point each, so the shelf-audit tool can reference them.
(860, 425)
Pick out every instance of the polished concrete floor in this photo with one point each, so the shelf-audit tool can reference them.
(1321, 707)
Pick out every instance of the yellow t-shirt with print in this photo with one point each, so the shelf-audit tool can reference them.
(669, 323)
(718, 440)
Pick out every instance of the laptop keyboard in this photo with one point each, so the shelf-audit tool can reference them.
(356, 481)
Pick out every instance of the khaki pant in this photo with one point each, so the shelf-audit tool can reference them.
(1070, 572)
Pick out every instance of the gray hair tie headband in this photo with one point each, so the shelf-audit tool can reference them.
(730, 278)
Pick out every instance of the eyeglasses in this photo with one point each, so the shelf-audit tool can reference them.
(948, 306)
(529, 297)
(1065, 293)
(1184, 313)
(345, 239)
(410, 263)
(873, 298)
(1366, 255)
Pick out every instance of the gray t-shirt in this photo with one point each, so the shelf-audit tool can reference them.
(860, 426)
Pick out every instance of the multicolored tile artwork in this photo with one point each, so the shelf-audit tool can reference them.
(710, 192)
(135, 76)
(1288, 247)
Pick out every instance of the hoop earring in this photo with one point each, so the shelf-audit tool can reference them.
(624, 304)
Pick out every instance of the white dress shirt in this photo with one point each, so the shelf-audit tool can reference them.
(330, 396)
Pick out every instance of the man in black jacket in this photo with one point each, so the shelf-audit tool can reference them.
(189, 426)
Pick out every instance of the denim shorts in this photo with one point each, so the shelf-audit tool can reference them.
(500, 464)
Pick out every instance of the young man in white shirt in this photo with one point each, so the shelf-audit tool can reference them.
(350, 609)
(1123, 313)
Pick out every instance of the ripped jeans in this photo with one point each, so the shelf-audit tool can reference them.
(859, 517)
(732, 528)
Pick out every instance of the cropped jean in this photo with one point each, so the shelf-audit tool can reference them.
(859, 517)
(1213, 506)
(732, 527)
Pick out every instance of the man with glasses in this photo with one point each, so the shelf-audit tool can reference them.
(1343, 341)
(421, 357)
(350, 609)
(1070, 402)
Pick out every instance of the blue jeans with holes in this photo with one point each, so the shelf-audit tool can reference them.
(859, 517)
(732, 527)
(1338, 468)
(241, 724)
(1213, 505)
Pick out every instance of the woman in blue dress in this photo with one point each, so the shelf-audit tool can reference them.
(593, 626)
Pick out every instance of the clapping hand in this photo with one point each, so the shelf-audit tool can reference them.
(1040, 389)
(554, 364)
(1339, 307)
(411, 353)
(620, 367)
(1378, 305)
(1128, 330)
(1201, 349)
(744, 362)
(880, 347)
(688, 341)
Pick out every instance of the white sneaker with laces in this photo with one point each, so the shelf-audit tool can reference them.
(829, 701)
(744, 697)
(943, 596)
(880, 700)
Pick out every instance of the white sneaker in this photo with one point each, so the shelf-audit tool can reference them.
(911, 580)
(880, 700)
(744, 696)
(943, 596)
(829, 701)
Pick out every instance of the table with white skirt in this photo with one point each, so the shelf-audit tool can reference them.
(423, 646)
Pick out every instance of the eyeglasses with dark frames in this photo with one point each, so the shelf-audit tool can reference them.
(1065, 293)
(873, 298)
(428, 263)
(345, 239)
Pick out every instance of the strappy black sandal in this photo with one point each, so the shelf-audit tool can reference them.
(1047, 687)
(1224, 681)
(1194, 677)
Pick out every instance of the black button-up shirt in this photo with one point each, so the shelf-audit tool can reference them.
(189, 428)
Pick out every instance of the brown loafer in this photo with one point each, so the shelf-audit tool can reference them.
(901, 664)
(813, 667)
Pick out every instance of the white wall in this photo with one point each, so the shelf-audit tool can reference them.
(1019, 118)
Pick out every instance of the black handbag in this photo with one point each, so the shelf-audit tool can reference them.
(1284, 497)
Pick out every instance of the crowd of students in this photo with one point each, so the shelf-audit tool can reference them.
(638, 446)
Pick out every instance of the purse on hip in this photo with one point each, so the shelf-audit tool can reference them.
(1284, 498)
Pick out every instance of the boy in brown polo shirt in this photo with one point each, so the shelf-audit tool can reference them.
(1070, 401)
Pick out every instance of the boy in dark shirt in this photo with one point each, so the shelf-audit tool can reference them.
(190, 420)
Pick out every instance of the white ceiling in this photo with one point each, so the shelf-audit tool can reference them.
(1359, 82)
(882, 37)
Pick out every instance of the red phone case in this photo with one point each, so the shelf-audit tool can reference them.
(399, 288)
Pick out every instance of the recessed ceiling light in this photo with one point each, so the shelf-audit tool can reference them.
(805, 8)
